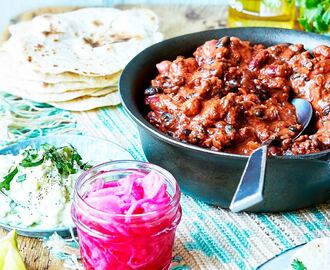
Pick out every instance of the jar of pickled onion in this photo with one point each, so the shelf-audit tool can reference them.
(126, 214)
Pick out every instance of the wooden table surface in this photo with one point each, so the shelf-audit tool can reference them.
(174, 20)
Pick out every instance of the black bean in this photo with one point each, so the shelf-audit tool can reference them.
(190, 96)
(186, 132)
(295, 76)
(210, 61)
(263, 94)
(152, 91)
(259, 113)
(229, 128)
(223, 42)
(233, 84)
(293, 128)
(167, 116)
(170, 133)
(326, 110)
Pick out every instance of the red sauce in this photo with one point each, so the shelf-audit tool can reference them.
(233, 95)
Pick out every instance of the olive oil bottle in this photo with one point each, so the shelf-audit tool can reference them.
(270, 13)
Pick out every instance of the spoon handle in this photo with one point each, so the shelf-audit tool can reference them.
(250, 188)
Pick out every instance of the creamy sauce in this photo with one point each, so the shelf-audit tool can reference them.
(42, 200)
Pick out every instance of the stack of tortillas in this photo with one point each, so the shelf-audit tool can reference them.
(73, 60)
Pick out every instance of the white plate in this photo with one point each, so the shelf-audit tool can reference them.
(91, 149)
(280, 262)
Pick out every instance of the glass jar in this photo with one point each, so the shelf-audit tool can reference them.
(118, 241)
(271, 13)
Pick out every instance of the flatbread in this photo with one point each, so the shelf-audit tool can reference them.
(104, 91)
(9, 68)
(73, 60)
(101, 43)
(66, 96)
(49, 88)
(89, 103)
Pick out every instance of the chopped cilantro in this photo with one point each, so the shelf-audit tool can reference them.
(298, 265)
(65, 159)
(31, 159)
(7, 179)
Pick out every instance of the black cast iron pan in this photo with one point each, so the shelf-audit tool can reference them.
(292, 182)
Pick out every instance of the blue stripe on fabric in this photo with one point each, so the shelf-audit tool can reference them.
(233, 228)
(272, 227)
(221, 230)
(206, 243)
(308, 237)
(108, 120)
(236, 231)
(294, 219)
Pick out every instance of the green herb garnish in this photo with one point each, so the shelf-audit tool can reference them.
(315, 16)
(298, 265)
(32, 158)
(65, 158)
(7, 179)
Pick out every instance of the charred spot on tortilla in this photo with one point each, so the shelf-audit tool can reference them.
(52, 31)
(97, 23)
(120, 37)
(91, 42)
(38, 47)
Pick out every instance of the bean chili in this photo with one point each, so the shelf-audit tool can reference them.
(233, 95)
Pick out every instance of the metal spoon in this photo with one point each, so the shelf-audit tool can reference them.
(249, 191)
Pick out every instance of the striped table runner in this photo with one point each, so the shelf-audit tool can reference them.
(208, 237)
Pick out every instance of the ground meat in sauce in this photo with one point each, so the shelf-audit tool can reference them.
(232, 95)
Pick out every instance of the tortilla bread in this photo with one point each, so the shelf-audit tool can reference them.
(9, 68)
(88, 103)
(100, 44)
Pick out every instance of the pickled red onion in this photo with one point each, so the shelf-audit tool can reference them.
(134, 194)
(127, 224)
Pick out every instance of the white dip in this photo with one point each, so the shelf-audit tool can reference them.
(39, 196)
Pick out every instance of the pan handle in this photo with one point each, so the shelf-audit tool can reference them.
(249, 191)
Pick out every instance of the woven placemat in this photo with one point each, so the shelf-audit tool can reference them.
(210, 237)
